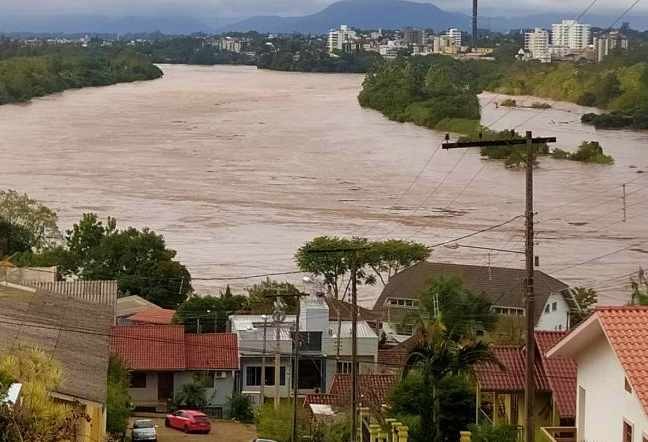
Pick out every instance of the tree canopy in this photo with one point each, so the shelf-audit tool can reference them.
(208, 314)
(33, 222)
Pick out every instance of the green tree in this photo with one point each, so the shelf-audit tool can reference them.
(192, 395)
(260, 296)
(438, 355)
(494, 433)
(14, 239)
(117, 398)
(640, 289)
(138, 259)
(456, 397)
(586, 299)
(210, 312)
(24, 212)
(386, 258)
(331, 257)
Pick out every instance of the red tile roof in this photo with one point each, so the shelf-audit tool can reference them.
(396, 357)
(373, 389)
(561, 373)
(626, 329)
(512, 377)
(214, 351)
(153, 316)
(167, 347)
(150, 347)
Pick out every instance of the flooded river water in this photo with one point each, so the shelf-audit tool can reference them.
(239, 167)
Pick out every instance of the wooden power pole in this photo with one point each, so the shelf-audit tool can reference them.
(530, 142)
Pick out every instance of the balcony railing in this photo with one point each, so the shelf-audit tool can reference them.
(559, 434)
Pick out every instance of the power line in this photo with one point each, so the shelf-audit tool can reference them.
(478, 232)
(626, 12)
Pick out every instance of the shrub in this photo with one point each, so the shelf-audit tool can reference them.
(494, 433)
(240, 408)
(540, 105)
(509, 102)
(192, 395)
(118, 400)
(277, 424)
(588, 152)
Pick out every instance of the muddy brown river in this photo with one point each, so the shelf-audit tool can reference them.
(238, 167)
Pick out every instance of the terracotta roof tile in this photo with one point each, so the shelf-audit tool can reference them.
(213, 351)
(167, 347)
(153, 316)
(561, 373)
(372, 388)
(396, 357)
(627, 331)
(512, 377)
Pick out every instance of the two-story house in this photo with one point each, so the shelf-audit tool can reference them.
(504, 288)
(611, 353)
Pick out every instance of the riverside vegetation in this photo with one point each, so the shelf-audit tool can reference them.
(26, 73)
(440, 93)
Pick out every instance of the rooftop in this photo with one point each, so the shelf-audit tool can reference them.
(169, 348)
(129, 305)
(154, 315)
(74, 332)
(499, 285)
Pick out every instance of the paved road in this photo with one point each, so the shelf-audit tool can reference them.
(221, 431)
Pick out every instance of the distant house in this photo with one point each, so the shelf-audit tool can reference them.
(500, 391)
(319, 361)
(611, 351)
(502, 287)
(373, 390)
(75, 333)
(127, 306)
(161, 359)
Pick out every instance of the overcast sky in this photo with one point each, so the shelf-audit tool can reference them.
(240, 8)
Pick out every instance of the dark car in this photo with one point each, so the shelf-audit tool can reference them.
(144, 430)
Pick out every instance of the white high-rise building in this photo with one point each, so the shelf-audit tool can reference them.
(341, 39)
(455, 36)
(571, 34)
(537, 43)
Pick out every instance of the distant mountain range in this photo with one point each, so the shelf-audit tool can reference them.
(363, 14)
(396, 14)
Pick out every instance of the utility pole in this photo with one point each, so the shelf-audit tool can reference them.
(263, 360)
(296, 345)
(354, 348)
(474, 26)
(625, 208)
(530, 298)
(530, 142)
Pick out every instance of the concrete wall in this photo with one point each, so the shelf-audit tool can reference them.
(366, 346)
(146, 396)
(605, 404)
(367, 365)
(284, 390)
(217, 396)
(554, 320)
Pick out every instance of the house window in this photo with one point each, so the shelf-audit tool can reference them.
(628, 387)
(547, 308)
(344, 367)
(253, 376)
(554, 306)
(270, 376)
(627, 432)
(137, 380)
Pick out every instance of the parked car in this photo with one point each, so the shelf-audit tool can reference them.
(188, 421)
(144, 430)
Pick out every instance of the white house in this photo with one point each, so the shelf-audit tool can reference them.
(611, 352)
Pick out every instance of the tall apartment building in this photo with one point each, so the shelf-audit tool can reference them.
(412, 36)
(341, 39)
(455, 36)
(537, 43)
(605, 43)
(571, 34)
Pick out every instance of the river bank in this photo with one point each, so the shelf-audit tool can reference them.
(238, 177)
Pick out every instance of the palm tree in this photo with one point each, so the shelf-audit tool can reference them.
(438, 355)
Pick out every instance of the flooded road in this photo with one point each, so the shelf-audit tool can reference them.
(238, 167)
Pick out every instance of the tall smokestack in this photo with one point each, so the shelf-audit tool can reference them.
(474, 25)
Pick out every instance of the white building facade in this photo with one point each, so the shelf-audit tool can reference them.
(611, 351)
(341, 39)
(455, 36)
(537, 43)
(571, 34)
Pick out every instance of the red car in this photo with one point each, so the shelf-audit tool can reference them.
(188, 421)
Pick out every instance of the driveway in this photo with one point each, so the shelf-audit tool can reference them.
(221, 431)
